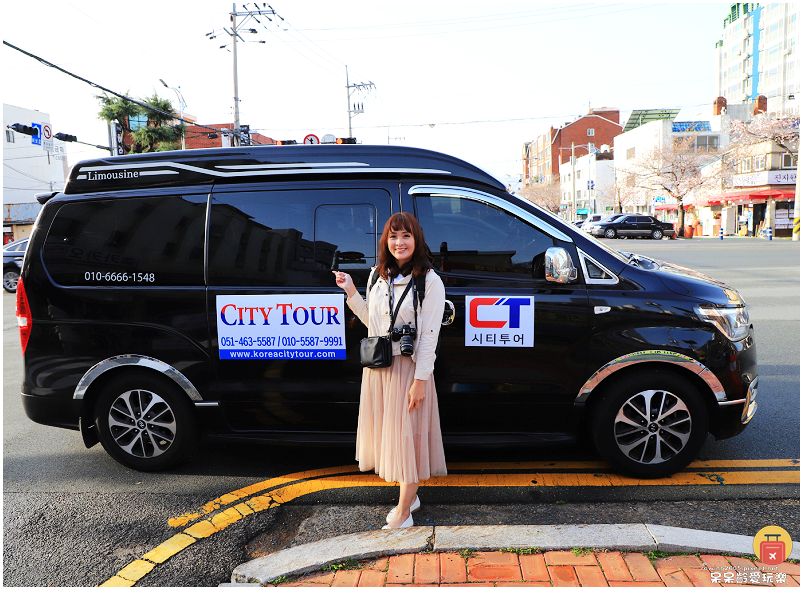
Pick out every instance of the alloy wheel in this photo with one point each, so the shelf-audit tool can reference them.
(652, 426)
(142, 423)
(10, 279)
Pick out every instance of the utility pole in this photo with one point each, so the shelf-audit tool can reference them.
(574, 200)
(234, 36)
(265, 11)
(356, 108)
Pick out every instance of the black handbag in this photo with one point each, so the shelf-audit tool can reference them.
(376, 351)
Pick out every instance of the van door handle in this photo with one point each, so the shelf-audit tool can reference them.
(449, 313)
(598, 309)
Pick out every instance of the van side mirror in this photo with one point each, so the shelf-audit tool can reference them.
(558, 266)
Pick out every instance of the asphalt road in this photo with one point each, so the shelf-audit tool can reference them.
(74, 517)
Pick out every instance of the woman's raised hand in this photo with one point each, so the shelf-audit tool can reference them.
(345, 281)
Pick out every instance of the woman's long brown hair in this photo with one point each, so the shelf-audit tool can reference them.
(421, 260)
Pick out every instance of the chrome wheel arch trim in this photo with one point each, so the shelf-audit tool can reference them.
(488, 198)
(136, 360)
(649, 356)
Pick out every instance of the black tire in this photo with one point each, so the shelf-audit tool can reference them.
(160, 438)
(10, 278)
(610, 233)
(657, 234)
(656, 445)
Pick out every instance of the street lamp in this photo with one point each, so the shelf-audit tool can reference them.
(181, 104)
(588, 147)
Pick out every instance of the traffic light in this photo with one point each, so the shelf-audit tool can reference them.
(341, 140)
(286, 142)
(24, 129)
(65, 137)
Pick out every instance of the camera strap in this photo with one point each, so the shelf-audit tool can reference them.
(399, 302)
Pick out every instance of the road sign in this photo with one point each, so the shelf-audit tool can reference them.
(37, 139)
(311, 139)
(47, 133)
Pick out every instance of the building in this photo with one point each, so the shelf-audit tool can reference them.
(588, 185)
(31, 165)
(760, 193)
(649, 137)
(202, 137)
(758, 55)
(542, 158)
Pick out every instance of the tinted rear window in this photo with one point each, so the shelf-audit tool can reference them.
(293, 237)
(154, 241)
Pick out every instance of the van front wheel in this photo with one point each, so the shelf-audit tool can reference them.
(650, 425)
(144, 422)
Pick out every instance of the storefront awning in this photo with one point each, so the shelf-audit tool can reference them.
(666, 207)
(757, 196)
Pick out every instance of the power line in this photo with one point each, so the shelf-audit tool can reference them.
(513, 24)
(95, 85)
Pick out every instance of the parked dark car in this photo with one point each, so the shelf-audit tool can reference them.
(170, 294)
(590, 222)
(13, 254)
(632, 226)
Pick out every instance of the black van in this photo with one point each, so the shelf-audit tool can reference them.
(168, 294)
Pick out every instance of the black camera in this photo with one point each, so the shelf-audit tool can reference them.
(406, 335)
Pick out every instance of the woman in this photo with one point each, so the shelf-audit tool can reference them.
(398, 420)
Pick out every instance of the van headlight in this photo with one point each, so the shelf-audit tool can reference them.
(734, 322)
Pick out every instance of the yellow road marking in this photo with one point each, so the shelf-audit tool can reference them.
(286, 488)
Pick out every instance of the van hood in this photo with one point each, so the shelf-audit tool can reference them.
(685, 281)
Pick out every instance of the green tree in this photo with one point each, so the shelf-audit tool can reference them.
(157, 136)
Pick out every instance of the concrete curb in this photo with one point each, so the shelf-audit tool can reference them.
(311, 557)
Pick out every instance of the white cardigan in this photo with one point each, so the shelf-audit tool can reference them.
(375, 314)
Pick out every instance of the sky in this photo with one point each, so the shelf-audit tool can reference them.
(472, 79)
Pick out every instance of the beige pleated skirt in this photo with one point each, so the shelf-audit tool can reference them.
(401, 446)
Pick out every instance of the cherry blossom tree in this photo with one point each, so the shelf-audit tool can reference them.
(678, 169)
(546, 195)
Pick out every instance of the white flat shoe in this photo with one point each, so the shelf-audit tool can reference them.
(414, 508)
(406, 524)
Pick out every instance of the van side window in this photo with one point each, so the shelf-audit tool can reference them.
(130, 242)
(292, 237)
(475, 238)
(345, 236)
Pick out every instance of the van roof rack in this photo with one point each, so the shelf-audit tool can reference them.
(261, 163)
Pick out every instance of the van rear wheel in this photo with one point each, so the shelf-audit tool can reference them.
(144, 422)
(650, 425)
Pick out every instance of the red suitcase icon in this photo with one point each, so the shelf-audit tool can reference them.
(773, 552)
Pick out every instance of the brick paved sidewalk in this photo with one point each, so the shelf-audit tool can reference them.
(555, 568)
